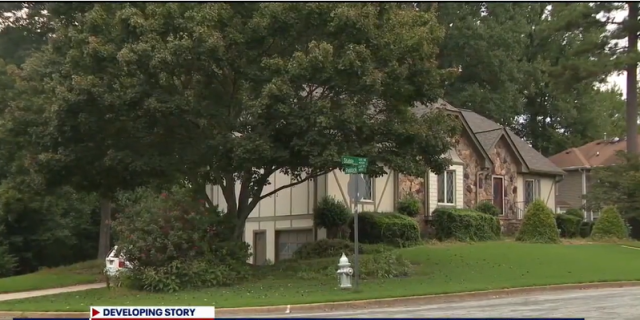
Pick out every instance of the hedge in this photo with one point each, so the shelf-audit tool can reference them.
(465, 225)
(569, 225)
(334, 248)
(387, 228)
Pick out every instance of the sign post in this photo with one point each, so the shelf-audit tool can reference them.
(357, 166)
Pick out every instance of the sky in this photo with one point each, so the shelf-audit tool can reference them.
(620, 80)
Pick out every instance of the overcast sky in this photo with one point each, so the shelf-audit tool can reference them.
(620, 80)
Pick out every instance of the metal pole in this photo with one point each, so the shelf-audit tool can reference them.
(355, 234)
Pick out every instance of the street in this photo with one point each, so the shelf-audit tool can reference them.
(600, 304)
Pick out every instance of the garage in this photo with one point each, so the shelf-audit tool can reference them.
(288, 241)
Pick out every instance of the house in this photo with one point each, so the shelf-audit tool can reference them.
(489, 163)
(578, 163)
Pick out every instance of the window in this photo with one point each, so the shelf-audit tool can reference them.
(447, 187)
(367, 191)
(531, 190)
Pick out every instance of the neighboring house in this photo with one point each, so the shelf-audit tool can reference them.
(489, 163)
(578, 163)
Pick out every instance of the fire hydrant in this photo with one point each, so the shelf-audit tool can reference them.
(345, 272)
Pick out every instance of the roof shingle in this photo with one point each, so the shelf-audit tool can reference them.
(593, 154)
(488, 132)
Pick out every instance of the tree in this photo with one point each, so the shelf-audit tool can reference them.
(531, 67)
(227, 93)
(617, 185)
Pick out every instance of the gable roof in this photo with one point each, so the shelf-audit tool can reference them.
(486, 134)
(593, 154)
(489, 133)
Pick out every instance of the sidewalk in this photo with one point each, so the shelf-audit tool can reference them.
(45, 292)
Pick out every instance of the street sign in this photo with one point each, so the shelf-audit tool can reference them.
(354, 161)
(355, 165)
(355, 170)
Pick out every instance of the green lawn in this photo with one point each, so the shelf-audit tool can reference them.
(439, 269)
(80, 273)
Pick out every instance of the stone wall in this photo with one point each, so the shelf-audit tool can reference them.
(414, 186)
(473, 161)
(506, 164)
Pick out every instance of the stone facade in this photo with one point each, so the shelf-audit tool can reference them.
(505, 164)
(477, 183)
(473, 163)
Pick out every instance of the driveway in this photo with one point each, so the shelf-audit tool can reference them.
(597, 304)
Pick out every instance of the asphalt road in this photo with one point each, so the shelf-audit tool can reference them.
(597, 304)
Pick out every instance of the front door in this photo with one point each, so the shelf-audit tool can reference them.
(498, 193)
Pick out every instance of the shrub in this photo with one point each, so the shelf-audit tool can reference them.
(609, 225)
(465, 225)
(388, 228)
(174, 242)
(385, 264)
(585, 229)
(489, 208)
(575, 213)
(331, 214)
(325, 248)
(569, 225)
(333, 248)
(388, 264)
(409, 205)
(538, 225)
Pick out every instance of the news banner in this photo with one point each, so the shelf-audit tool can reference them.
(209, 313)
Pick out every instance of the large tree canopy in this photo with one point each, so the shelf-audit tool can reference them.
(227, 93)
(533, 67)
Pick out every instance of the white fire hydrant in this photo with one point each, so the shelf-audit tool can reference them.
(345, 272)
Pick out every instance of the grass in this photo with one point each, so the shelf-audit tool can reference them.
(438, 270)
(79, 273)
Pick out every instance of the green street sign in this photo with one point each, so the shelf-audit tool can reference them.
(355, 170)
(354, 161)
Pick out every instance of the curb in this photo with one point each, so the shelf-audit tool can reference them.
(365, 304)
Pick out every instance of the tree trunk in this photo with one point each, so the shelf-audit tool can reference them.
(632, 80)
(238, 233)
(104, 245)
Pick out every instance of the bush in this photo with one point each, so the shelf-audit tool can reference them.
(609, 225)
(388, 264)
(174, 242)
(385, 264)
(569, 225)
(465, 225)
(489, 208)
(409, 205)
(333, 248)
(575, 213)
(331, 214)
(585, 229)
(387, 228)
(325, 248)
(538, 225)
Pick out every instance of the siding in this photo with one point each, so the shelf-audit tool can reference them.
(337, 184)
(459, 188)
(547, 188)
(570, 189)
(292, 208)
